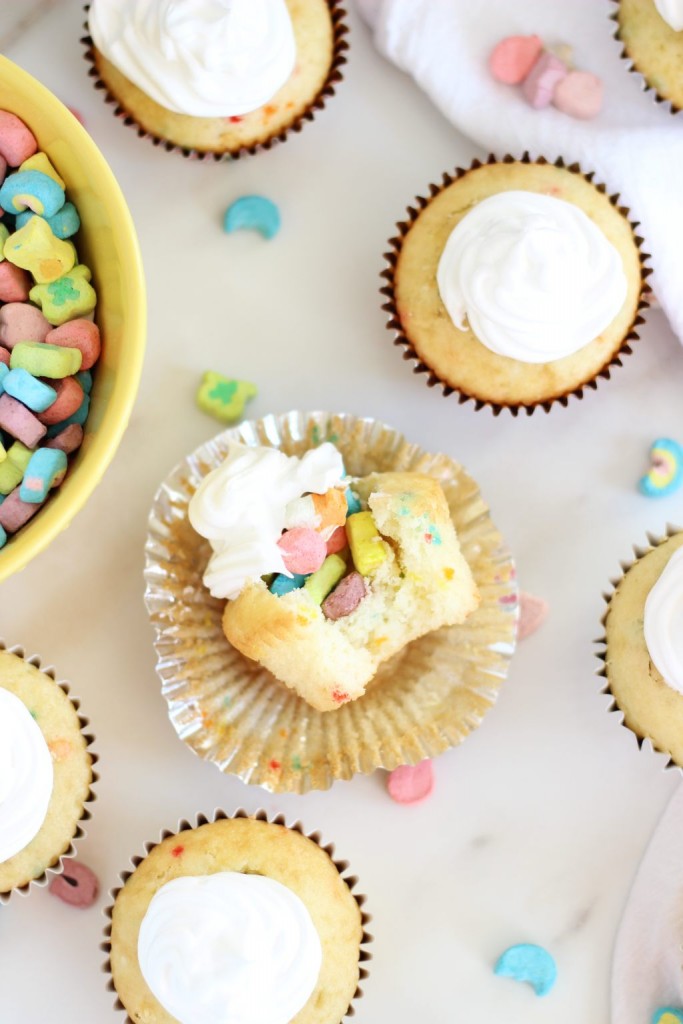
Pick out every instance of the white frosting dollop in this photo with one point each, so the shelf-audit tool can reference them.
(240, 508)
(535, 277)
(26, 776)
(672, 12)
(229, 948)
(663, 622)
(205, 58)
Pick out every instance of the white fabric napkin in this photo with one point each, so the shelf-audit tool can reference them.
(635, 146)
(647, 972)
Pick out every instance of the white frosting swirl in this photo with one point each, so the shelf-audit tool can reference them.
(663, 622)
(205, 58)
(240, 508)
(672, 12)
(229, 948)
(535, 277)
(26, 776)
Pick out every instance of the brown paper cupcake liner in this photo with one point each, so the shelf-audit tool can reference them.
(58, 866)
(631, 67)
(342, 867)
(395, 325)
(334, 77)
(232, 711)
(613, 708)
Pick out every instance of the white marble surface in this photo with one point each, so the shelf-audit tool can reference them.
(538, 821)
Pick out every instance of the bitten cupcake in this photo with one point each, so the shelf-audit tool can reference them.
(651, 32)
(238, 919)
(644, 646)
(516, 283)
(46, 771)
(217, 77)
(327, 577)
(340, 549)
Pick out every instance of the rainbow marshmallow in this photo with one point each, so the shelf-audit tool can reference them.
(666, 473)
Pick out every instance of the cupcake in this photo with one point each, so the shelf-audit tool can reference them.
(516, 284)
(643, 657)
(46, 772)
(407, 543)
(216, 77)
(327, 577)
(239, 918)
(651, 32)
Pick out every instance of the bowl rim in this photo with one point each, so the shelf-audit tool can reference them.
(37, 535)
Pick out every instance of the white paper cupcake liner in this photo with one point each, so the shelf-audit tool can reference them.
(231, 711)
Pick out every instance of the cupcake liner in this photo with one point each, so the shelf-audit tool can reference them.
(409, 353)
(58, 867)
(645, 84)
(231, 711)
(334, 77)
(342, 867)
(613, 708)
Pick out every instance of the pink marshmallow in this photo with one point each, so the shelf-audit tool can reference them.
(20, 321)
(303, 550)
(345, 597)
(579, 94)
(80, 334)
(410, 784)
(77, 885)
(68, 440)
(513, 58)
(15, 283)
(539, 86)
(3, 170)
(77, 114)
(4, 356)
(15, 513)
(17, 143)
(68, 401)
(532, 614)
(338, 541)
(20, 422)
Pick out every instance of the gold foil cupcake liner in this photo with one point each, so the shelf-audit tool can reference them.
(340, 45)
(233, 712)
(645, 84)
(613, 708)
(395, 325)
(184, 825)
(57, 867)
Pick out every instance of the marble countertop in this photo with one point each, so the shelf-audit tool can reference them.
(538, 821)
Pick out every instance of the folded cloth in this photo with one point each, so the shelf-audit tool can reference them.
(635, 146)
(646, 971)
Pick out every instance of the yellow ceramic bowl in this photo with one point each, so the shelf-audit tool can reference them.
(108, 245)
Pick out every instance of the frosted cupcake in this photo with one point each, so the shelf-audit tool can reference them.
(644, 646)
(216, 76)
(45, 773)
(516, 284)
(241, 919)
(652, 35)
